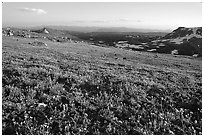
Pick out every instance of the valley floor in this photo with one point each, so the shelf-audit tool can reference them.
(77, 88)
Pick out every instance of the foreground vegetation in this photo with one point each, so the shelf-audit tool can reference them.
(83, 89)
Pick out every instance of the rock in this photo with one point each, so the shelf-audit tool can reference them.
(10, 34)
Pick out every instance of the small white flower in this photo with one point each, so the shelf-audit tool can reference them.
(41, 105)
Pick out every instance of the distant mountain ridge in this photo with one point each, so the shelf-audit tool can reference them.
(43, 30)
(184, 32)
(102, 29)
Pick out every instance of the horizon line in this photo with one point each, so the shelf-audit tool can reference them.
(81, 26)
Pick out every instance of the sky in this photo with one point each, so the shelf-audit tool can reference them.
(147, 15)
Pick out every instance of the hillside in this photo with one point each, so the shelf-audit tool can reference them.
(187, 41)
(185, 33)
(181, 41)
(72, 87)
(43, 33)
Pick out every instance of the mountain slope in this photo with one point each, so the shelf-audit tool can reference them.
(184, 32)
(82, 89)
(188, 41)
(182, 41)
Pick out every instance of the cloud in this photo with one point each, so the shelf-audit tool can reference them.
(90, 21)
(38, 11)
(127, 20)
(123, 20)
(139, 21)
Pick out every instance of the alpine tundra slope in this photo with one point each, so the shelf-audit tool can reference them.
(55, 82)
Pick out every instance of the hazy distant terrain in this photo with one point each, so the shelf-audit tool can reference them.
(182, 41)
(102, 83)
(98, 29)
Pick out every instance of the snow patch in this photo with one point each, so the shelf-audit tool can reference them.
(174, 52)
(195, 55)
(161, 45)
(151, 50)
